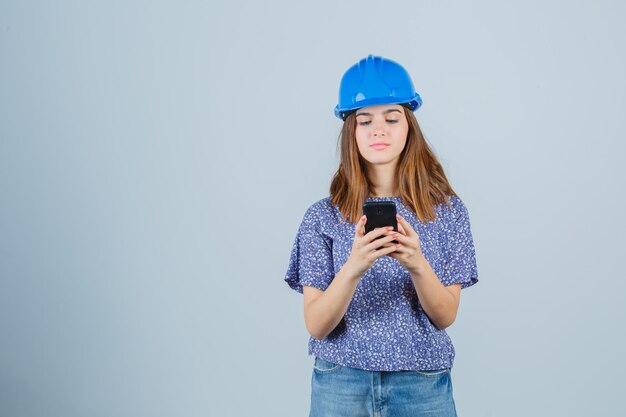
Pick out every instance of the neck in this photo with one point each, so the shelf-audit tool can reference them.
(382, 180)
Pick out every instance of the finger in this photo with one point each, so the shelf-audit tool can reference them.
(407, 227)
(386, 251)
(399, 246)
(395, 254)
(400, 238)
(401, 229)
(377, 243)
(360, 229)
(379, 231)
(405, 240)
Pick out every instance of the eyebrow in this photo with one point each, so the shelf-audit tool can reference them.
(385, 112)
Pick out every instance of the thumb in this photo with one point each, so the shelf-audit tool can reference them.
(360, 227)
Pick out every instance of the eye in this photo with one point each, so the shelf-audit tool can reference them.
(364, 123)
(392, 121)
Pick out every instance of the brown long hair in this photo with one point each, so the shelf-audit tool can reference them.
(419, 176)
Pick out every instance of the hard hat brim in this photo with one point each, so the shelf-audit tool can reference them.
(413, 103)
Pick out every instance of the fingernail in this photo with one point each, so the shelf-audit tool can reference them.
(389, 227)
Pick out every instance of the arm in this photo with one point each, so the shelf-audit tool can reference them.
(323, 310)
(439, 302)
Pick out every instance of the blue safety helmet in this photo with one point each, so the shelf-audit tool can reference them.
(375, 80)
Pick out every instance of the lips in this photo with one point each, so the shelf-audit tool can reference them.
(379, 145)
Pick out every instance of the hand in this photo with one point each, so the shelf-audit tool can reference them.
(366, 248)
(408, 251)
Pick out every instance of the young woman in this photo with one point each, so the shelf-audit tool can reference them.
(377, 310)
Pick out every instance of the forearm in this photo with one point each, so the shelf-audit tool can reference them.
(326, 311)
(438, 303)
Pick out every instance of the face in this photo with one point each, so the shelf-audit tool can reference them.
(381, 133)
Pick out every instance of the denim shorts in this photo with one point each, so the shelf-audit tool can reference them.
(338, 391)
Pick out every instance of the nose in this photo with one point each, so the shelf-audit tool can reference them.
(378, 129)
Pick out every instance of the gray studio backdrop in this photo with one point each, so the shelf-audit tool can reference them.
(157, 158)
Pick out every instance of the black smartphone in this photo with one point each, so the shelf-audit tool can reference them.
(380, 214)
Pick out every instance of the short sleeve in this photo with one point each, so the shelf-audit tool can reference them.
(311, 261)
(460, 264)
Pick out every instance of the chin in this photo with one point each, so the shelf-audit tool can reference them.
(380, 161)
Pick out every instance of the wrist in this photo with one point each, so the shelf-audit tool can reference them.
(350, 271)
(420, 268)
